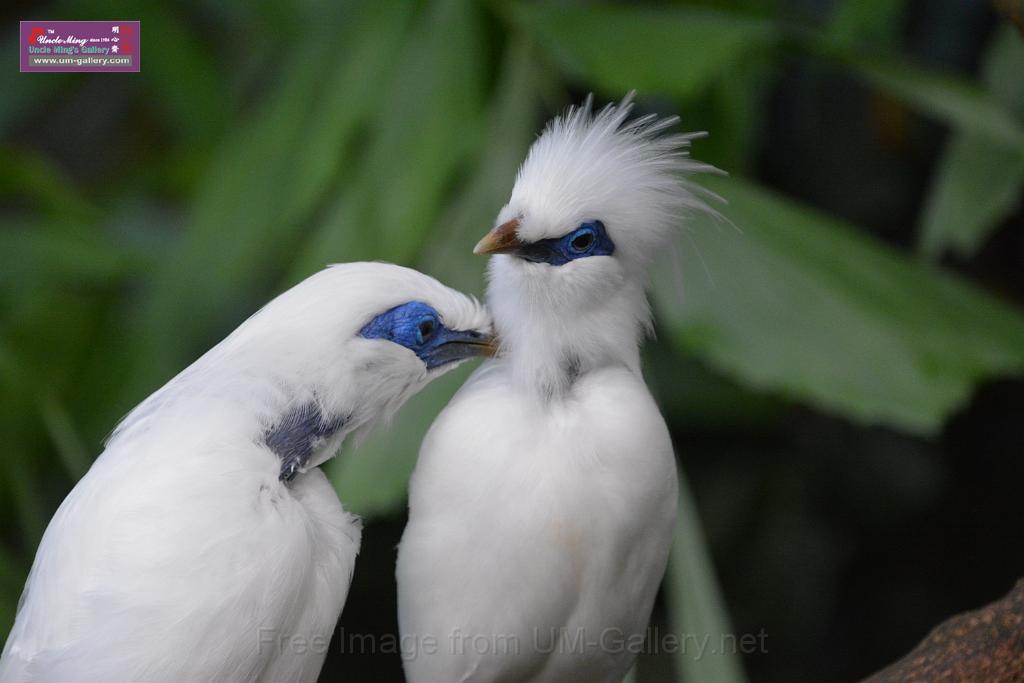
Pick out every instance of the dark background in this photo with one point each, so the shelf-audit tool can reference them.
(838, 372)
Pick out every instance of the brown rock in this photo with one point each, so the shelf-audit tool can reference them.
(983, 646)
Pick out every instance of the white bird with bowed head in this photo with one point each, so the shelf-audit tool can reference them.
(205, 538)
(543, 502)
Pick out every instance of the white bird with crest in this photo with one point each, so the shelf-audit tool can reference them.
(205, 539)
(542, 505)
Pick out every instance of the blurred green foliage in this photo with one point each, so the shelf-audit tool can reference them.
(144, 216)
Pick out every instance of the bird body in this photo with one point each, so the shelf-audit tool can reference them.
(562, 514)
(542, 505)
(204, 544)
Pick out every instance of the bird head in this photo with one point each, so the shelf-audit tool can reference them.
(387, 331)
(343, 348)
(597, 199)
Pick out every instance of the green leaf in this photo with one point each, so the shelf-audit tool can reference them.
(977, 184)
(182, 77)
(36, 399)
(512, 126)
(734, 112)
(372, 479)
(980, 179)
(266, 181)
(868, 20)
(696, 608)
(22, 483)
(679, 51)
(12, 579)
(954, 100)
(25, 96)
(809, 307)
(66, 438)
(29, 177)
(51, 253)
(421, 137)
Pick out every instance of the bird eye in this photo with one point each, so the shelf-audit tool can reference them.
(582, 240)
(425, 330)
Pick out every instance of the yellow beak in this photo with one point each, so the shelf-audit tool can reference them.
(501, 240)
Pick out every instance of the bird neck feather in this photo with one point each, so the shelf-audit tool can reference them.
(548, 348)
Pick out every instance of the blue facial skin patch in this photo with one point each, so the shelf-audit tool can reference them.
(418, 327)
(589, 239)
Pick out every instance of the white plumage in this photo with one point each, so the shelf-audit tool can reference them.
(542, 505)
(190, 551)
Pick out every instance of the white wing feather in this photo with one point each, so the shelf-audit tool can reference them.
(192, 566)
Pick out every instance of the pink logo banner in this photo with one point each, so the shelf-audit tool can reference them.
(80, 46)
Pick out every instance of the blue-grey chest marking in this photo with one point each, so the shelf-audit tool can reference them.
(294, 436)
